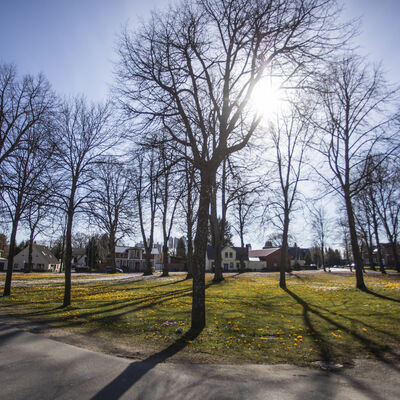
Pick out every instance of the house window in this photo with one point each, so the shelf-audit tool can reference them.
(230, 255)
(226, 254)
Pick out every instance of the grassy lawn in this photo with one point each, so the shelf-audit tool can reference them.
(249, 319)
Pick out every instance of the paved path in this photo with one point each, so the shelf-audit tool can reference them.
(34, 367)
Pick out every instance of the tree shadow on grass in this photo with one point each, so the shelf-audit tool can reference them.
(381, 296)
(378, 350)
(136, 370)
(113, 313)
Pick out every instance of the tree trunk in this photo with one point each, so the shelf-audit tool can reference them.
(323, 255)
(354, 244)
(241, 258)
(148, 265)
(111, 252)
(189, 256)
(216, 234)
(68, 253)
(284, 253)
(393, 244)
(200, 245)
(30, 250)
(165, 271)
(11, 251)
(378, 245)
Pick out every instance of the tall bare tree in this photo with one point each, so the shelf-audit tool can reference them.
(24, 103)
(81, 137)
(189, 211)
(321, 225)
(192, 70)
(170, 192)
(145, 184)
(290, 138)
(110, 202)
(354, 125)
(37, 221)
(385, 196)
(23, 185)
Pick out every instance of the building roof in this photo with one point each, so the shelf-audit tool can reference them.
(238, 250)
(263, 252)
(46, 253)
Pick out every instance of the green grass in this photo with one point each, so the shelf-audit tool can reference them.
(249, 319)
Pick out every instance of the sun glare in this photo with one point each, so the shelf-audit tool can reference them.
(266, 99)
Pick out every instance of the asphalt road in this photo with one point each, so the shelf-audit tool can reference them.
(34, 367)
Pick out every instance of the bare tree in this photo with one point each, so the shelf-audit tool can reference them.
(37, 221)
(290, 137)
(193, 70)
(353, 127)
(146, 191)
(321, 226)
(110, 202)
(24, 103)
(244, 194)
(82, 136)
(23, 185)
(170, 192)
(188, 205)
(385, 195)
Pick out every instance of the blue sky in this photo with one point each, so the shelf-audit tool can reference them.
(73, 41)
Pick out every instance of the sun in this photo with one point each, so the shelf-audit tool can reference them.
(266, 99)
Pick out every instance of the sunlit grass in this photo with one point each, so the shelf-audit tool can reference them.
(249, 318)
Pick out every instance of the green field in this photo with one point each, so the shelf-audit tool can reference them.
(249, 319)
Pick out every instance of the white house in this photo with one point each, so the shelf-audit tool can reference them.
(42, 259)
(79, 258)
(132, 259)
(230, 257)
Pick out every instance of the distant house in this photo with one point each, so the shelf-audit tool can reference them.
(79, 258)
(230, 258)
(132, 259)
(43, 260)
(387, 255)
(129, 259)
(271, 257)
(156, 259)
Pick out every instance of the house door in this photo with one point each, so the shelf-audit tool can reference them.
(226, 267)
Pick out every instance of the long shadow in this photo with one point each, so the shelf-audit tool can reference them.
(323, 346)
(135, 371)
(377, 349)
(381, 296)
(293, 274)
(169, 283)
(110, 318)
(123, 308)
